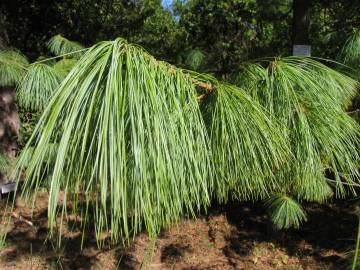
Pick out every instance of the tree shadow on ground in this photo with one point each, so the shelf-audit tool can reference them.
(329, 232)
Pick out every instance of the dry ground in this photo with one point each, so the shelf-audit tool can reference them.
(234, 236)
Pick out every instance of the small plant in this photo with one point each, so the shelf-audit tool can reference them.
(285, 212)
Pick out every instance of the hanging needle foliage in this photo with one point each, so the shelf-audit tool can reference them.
(12, 67)
(37, 86)
(60, 45)
(350, 56)
(247, 144)
(132, 142)
(350, 53)
(285, 212)
(135, 143)
(309, 98)
(130, 137)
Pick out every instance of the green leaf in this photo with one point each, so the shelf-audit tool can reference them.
(195, 60)
(350, 53)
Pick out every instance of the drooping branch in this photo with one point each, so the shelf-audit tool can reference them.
(206, 86)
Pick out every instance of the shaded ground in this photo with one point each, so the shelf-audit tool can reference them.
(235, 236)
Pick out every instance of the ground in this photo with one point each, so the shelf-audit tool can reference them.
(232, 236)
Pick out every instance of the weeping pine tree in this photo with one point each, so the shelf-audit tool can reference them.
(136, 143)
(131, 137)
(308, 99)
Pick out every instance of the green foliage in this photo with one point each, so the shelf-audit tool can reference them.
(28, 122)
(246, 143)
(144, 22)
(230, 31)
(4, 163)
(309, 98)
(285, 212)
(195, 60)
(50, 157)
(63, 66)
(127, 131)
(12, 67)
(243, 154)
(130, 136)
(350, 54)
(37, 86)
(59, 45)
(160, 33)
(331, 24)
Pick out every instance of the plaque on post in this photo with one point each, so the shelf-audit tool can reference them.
(302, 50)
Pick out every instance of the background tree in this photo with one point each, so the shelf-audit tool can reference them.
(229, 32)
(144, 22)
(226, 32)
(332, 22)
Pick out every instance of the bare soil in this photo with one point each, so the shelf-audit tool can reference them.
(232, 236)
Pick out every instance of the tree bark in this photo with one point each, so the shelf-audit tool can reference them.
(9, 118)
(301, 22)
(301, 26)
(4, 39)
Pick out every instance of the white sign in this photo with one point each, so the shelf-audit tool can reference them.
(302, 50)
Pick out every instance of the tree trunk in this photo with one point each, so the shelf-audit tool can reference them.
(4, 39)
(301, 27)
(9, 118)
